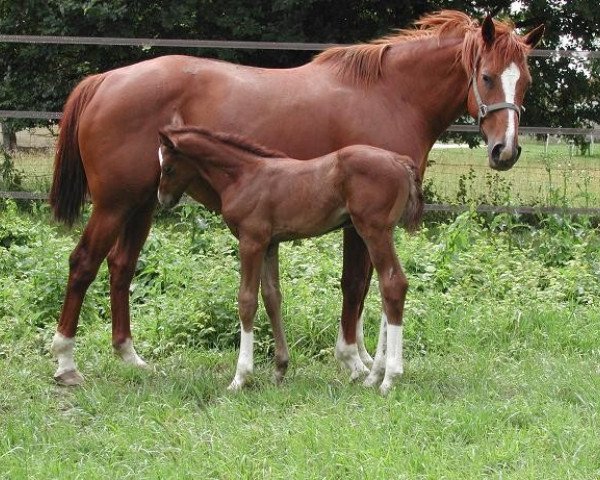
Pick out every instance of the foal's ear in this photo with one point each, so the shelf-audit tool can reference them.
(488, 31)
(165, 139)
(533, 38)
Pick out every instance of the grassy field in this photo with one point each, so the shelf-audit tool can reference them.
(502, 360)
(456, 175)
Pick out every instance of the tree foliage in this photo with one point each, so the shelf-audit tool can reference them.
(39, 77)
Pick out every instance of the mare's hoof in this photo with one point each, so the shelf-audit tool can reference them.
(70, 378)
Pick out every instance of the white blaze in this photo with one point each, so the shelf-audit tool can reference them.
(509, 79)
(160, 157)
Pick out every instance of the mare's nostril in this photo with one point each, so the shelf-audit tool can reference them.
(496, 151)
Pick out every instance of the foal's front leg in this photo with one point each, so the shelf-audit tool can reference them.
(251, 256)
(271, 295)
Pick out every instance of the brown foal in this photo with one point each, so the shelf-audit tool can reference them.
(267, 197)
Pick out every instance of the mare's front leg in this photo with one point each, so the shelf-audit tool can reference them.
(356, 275)
(98, 237)
(122, 261)
(271, 295)
(393, 286)
(251, 256)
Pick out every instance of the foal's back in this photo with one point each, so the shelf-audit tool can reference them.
(299, 199)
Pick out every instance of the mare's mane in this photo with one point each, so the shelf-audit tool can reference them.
(363, 63)
(232, 140)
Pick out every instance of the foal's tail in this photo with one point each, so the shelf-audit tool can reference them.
(413, 213)
(69, 184)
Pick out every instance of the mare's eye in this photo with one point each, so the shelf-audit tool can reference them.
(168, 170)
(487, 79)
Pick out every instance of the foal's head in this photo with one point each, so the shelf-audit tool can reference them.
(497, 61)
(176, 170)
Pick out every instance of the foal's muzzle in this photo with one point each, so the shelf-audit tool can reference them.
(502, 158)
(166, 201)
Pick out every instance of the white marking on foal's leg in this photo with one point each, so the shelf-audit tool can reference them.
(347, 354)
(378, 368)
(245, 364)
(393, 363)
(509, 79)
(128, 354)
(360, 342)
(62, 348)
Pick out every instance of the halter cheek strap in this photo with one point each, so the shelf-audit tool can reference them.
(483, 109)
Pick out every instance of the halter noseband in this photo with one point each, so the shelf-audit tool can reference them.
(483, 109)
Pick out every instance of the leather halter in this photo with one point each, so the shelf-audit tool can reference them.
(483, 109)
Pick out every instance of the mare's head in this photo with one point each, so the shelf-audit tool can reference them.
(496, 59)
(176, 169)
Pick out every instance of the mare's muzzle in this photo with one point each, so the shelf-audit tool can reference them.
(502, 158)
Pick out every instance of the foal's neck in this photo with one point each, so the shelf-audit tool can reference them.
(220, 163)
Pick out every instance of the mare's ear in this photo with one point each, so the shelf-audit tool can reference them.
(488, 31)
(166, 140)
(533, 38)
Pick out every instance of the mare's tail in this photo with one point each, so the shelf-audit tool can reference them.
(69, 183)
(413, 213)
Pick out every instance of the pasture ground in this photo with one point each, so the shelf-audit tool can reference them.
(502, 360)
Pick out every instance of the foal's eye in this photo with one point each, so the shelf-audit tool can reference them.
(487, 79)
(168, 170)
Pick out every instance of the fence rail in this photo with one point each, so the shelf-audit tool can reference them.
(453, 128)
(181, 43)
(429, 207)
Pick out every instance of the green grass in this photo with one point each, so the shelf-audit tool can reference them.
(555, 178)
(502, 347)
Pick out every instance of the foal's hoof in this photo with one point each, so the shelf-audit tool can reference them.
(373, 379)
(385, 387)
(359, 373)
(70, 378)
(235, 386)
(278, 377)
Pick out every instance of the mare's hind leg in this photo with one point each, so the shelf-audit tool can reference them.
(271, 295)
(356, 274)
(98, 236)
(122, 261)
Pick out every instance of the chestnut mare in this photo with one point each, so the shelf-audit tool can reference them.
(267, 197)
(399, 93)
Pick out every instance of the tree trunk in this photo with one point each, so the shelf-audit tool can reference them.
(9, 138)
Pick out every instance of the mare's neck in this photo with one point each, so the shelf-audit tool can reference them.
(220, 164)
(429, 87)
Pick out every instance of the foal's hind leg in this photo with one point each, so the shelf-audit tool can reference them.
(393, 286)
(355, 276)
(271, 295)
(122, 261)
(97, 238)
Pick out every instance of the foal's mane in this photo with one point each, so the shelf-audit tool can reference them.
(363, 63)
(232, 140)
